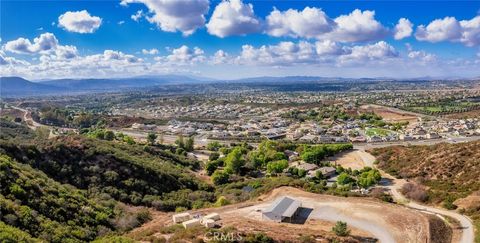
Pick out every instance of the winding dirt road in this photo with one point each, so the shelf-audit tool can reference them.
(27, 117)
(395, 185)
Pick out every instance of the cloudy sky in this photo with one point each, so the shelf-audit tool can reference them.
(233, 38)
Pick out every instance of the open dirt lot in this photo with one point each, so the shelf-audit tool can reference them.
(367, 218)
(391, 114)
(354, 159)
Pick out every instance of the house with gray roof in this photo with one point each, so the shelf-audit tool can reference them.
(283, 208)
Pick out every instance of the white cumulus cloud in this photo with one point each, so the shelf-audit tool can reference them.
(175, 15)
(220, 57)
(283, 54)
(45, 44)
(379, 51)
(328, 47)
(152, 51)
(183, 55)
(471, 31)
(422, 56)
(403, 29)
(309, 23)
(450, 29)
(358, 26)
(233, 17)
(79, 22)
(440, 30)
(11, 61)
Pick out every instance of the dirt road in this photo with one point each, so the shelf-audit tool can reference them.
(27, 117)
(465, 222)
(394, 185)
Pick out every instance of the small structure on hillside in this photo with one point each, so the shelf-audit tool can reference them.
(191, 223)
(327, 172)
(307, 166)
(284, 208)
(208, 223)
(181, 217)
(212, 216)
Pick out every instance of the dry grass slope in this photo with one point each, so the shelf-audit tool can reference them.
(449, 172)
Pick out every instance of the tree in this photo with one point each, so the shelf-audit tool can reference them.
(344, 178)
(179, 142)
(189, 144)
(181, 151)
(213, 146)
(277, 166)
(220, 177)
(151, 138)
(128, 140)
(448, 203)
(221, 201)
(319, 175)
(314, 155)
(234, 161)
(213, 156)
(369, 177)
(84, 120)
(109, 135)
(211, 166)
(341, 229)
(302, 173)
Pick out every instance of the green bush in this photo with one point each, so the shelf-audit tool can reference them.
(341, 229)
(220, 177)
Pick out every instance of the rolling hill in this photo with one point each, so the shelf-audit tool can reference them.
(77, 189)
(16, 86)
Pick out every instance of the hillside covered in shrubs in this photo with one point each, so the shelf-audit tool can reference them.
(76, 189)
(447, 169)
(444, 174)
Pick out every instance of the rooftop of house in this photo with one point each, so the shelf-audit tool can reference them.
(284, 206)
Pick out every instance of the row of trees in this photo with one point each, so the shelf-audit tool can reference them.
(315, 154)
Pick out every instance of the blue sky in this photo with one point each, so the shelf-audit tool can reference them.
(441, 38)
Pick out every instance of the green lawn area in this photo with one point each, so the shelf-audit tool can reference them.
(443, 107)
(377, 131)
(428, 108)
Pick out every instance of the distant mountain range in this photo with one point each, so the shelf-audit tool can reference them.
(16, 86)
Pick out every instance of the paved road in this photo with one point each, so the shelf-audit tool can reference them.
(396, 184)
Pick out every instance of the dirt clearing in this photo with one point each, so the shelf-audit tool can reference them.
(350, 159)
(390, 114)
(367, 218)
